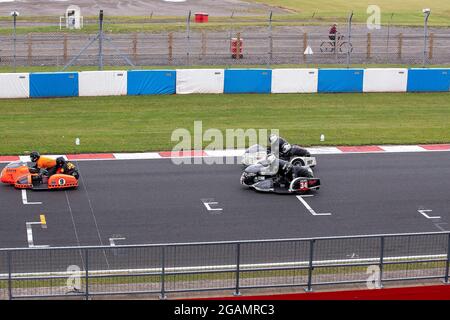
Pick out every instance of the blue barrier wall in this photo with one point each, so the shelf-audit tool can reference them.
(248, 81)
(428, 80)
(59, 84)
(341, 80)
(148, 82)
(141, 82)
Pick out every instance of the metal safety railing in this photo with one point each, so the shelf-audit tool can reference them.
(162, 269)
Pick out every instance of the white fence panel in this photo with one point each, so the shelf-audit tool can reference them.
(102, 83)
(385, 80)
(295, 80)
(14, 85)
(200, 81)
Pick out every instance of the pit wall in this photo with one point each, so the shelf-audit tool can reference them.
(217, 81)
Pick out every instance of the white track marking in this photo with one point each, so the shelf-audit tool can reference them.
(310, 209)
(423, 212)
(439, 226)
(137, 156)
(29, 225)
(208, 202)
(25, 199)
(393, 149)
(82, 181)
(225, 153)
(240, 152)
(74, 226)
(324, 150)
(112, 241)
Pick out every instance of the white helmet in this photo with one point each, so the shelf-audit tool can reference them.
(286, 147)
(273, 138)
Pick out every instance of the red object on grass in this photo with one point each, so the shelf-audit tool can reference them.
(201, 17)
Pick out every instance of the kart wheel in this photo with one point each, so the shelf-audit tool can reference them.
(298, 162)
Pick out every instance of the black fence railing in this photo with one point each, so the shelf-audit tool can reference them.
(162, 269)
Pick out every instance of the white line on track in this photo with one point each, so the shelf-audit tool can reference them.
(92, 211)
(208, 206)
(309, 208)
(424, 213)
(25, 199)
(112, 241)
(440, 226)
(30, 235)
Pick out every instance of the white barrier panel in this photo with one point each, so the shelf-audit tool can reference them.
(14, 85)
(294, 80)
(200, 81)
(385, 80)
(102, 83)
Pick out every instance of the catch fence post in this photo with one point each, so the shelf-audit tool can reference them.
(188, 35)
(238, 263)
(203, 44)
(447, 264)
(100, 41)
(135, 47)
(311, 267)
(369, 45)
(425, 37)
(270, 40)
(9, 258)
(86, 276)
(30, 48)
(381, 261)
(15, 14)
(65, 48)
(163, 296)
(170, 40)
(305, 45)
(349, 38)
(430, 52)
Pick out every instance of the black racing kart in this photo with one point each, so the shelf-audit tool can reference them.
(261, 177)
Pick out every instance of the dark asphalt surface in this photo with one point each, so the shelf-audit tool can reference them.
(156, 201)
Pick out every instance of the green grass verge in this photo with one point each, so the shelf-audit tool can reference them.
(339, 272)
(146, 123)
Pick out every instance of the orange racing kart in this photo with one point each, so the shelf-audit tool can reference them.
(17, 173)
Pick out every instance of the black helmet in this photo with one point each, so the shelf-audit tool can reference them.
(60, 161)
(34, 156)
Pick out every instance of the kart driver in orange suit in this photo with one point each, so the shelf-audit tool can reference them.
(45, 163)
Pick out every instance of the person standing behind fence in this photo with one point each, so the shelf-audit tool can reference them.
(332, 33)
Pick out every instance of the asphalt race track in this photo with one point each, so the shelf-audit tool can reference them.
(156, 201)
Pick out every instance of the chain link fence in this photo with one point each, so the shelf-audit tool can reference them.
(173, 268)
(270, 44)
